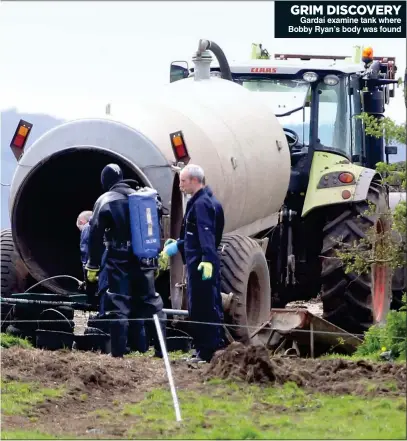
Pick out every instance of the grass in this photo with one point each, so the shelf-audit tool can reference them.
(356, 357)
(19, 434)
(173, 355)
(223, 410)
(234, 411)
(7, 341)
(19, 398)
(353, 357)
(228, 410)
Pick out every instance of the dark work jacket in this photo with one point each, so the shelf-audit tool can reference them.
(220, 217)
(202, 228)
(84, 243)
(111, 217)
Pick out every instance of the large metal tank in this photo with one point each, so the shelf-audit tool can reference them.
(228, 131)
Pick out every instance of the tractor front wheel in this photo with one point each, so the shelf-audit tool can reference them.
(351, 301)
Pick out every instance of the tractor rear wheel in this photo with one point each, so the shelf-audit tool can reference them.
(399, 287)
(244, 272)
(14, 273)
(350, 301)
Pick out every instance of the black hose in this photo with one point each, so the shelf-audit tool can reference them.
(222, 60)
(132, 183)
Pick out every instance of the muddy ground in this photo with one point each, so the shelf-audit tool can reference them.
(253, 365)
(94, 381)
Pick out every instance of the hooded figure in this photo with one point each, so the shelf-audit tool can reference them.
(131, 291)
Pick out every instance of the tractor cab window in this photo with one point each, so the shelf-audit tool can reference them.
(283, 96)
(335, 117)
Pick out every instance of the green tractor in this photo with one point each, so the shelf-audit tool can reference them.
(335, 196)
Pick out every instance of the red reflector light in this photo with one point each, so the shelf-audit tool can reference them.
(346, 194)
(181, 152)
(179, 148)
(19, 141)
(346, 178)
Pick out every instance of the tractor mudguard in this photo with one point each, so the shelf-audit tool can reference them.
(324, 187)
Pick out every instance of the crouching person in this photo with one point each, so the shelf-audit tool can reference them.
(94, 292)
(131, 290)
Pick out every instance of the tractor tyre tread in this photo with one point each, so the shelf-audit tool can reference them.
(14, 273)
(240, 256)
(347, 298)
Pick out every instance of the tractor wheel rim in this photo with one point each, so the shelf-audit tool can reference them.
(379, 292)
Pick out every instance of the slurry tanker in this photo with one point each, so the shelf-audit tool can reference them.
(288, 193)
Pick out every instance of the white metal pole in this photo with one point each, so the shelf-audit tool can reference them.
(167, 367)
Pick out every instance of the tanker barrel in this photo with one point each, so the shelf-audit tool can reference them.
(230, 132)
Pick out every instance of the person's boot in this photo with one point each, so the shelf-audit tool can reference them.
(196, 359)
(118, 336)
(200, 357)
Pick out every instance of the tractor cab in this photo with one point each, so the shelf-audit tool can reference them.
(316, 99)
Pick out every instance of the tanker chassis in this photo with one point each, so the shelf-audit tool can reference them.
(286, 197)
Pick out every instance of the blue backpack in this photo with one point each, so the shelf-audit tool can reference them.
(144, 223)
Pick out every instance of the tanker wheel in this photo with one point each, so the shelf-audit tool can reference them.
(14, 274)
(244, 272)
(350, 301)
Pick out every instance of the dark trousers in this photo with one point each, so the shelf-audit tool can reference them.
(205, 305)
(130, 294)
(103, 284)
(97, 289)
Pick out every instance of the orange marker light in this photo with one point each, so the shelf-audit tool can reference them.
(346, 178)
(367, 52)
(23, 131)
(177, 141)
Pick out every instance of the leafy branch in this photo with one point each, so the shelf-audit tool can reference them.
(393, 174)
(386, 127)
(380, 246)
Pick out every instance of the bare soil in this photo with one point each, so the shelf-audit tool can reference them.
(93, 382)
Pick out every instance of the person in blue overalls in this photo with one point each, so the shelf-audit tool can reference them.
(131, 288)
(83, 224)
(200, 236)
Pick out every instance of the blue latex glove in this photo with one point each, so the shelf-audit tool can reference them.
(171, 249)
(168, 241)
